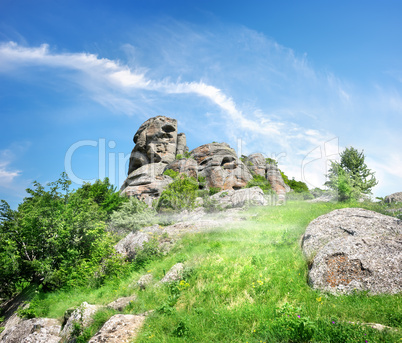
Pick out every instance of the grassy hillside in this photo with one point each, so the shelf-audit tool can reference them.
(246, 282)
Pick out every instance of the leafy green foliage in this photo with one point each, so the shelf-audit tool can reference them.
(214, 190)
(133, 215)
(170, 172)
(57, 238)
(261, 182)
(271, 161)
(350, 178)
(179, 195)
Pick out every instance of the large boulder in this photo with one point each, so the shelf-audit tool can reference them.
(38, 330)
(219, 164)
(238, 198)
(81, 315)
(147, 182)
(119, 328)
(393, 198)
(354, 249)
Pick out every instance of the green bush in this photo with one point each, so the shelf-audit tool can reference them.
(214, 190)
(179, 195)
(170, 172)
(132, 216)
(259, 181)
(56, 237)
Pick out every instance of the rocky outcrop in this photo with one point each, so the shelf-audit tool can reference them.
(275, 179)
(157, 144)
(219, 164)
(144, 281)
(121, 303)
(354, 249)
(147, 182)
(36, 330)
(181, 147)
(119, 328)
(257, 164)
(186, 166)
(240, 197)
(155, 141)
(174, 274)
(82, 316)
(394, 198)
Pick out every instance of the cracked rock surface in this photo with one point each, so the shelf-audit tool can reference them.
(353, 249)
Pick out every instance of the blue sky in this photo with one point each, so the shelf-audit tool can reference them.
(297, 81)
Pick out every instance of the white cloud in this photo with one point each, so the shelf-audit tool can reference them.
(7, 174)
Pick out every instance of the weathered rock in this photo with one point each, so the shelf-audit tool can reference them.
(275, 179)
(257, 164)
(219, 164)
(81, 315)
(181, 144)
(186, 166)
(121, 303)
(147, 182)
(144, 281)
(119, 329)
(393, 198)
(350, 264)
(354, 249)
(238, 198)
(174, 274)
(347, 222)
(155, 141)
(134, 241)
(36, 330)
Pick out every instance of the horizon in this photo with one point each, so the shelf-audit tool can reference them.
(297, 83)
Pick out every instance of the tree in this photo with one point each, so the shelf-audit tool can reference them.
(351, 178)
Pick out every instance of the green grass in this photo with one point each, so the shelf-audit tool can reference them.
(243, 282)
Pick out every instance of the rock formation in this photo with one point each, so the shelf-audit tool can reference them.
(157, 144)
(393, 198)
(238, 198)
(354, 249)
(219, 164)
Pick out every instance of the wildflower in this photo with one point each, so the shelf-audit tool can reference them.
(319, 299)
(333, 322)
(298, 316)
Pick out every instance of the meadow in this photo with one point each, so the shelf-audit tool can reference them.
(246, 282)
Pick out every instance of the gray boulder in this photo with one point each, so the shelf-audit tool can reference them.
(134, 241)
(36, 330)
(81, 315)
(174, 274)
(354, 249)
(393, 198)
(238, 198)
(121, 303)
(119, 328)
(346, 222)
(219, 164)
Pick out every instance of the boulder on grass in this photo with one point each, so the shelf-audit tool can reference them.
(240, 197)
(353, 249)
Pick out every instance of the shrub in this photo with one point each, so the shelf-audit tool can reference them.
(259, 181)
(132, 216)
(214, 190)
(179, 195)
(170, 172)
